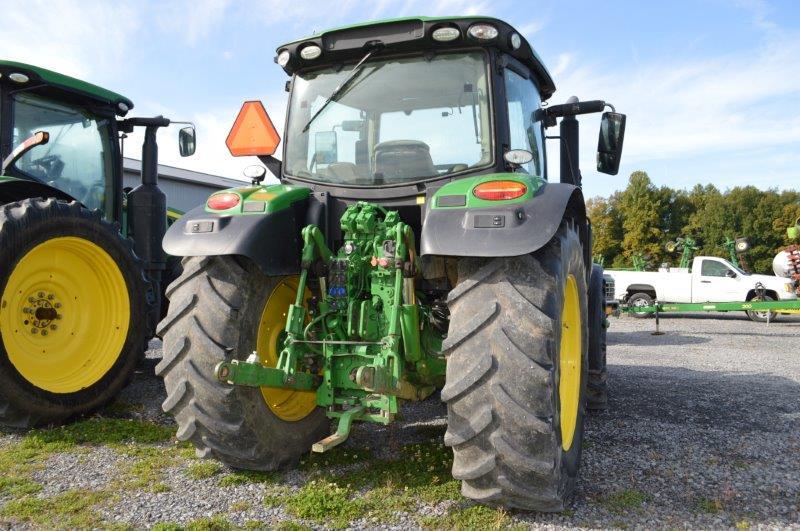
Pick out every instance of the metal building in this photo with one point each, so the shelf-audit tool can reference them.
(185, 189)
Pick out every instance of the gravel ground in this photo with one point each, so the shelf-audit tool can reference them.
(703, 431)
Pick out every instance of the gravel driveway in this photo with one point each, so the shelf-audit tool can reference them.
(703, 431)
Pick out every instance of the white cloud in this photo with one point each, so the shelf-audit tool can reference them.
(696, 106)
(193, 19)
(86, 39)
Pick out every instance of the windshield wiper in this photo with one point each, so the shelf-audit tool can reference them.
(341, 89)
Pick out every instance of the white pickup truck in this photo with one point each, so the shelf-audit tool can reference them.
(710, 279)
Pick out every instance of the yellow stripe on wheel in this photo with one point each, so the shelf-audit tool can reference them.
(65, 314)
(287, 404)
(569, 383)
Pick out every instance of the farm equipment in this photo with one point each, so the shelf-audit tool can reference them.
(687, 246)
(413, 243)
(80, 292)
(786, 263)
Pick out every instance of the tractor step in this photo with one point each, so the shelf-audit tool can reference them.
(342, 431)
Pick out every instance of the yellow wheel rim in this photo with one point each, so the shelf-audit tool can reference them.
(569, 382)
(64, 314)
(287, 404)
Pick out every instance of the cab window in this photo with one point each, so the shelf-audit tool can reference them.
(712, 268)
(77, 159)
(523, 101)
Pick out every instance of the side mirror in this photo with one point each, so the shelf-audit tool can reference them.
(187, 141)
(609, 145)
(325, 148)
(353, 125)
(730, 274)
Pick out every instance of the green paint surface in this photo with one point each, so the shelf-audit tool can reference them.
(69, 83)
(275, 197)
(465, 186)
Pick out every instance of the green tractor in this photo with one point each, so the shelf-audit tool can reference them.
(414, 243)
(81, 263)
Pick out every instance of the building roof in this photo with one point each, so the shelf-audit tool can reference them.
(181, 174)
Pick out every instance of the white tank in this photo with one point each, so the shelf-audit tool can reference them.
(782, 265)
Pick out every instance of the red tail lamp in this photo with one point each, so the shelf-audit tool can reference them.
(499, 190)
(223, 201)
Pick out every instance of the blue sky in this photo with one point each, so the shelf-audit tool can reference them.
(711, 87)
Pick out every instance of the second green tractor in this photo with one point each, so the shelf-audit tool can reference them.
(414, 243)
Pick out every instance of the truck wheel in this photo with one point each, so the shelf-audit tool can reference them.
(516, 375)
(761, 317)
(638, 300)
(223, 308)
(74, 298)
(597, 387)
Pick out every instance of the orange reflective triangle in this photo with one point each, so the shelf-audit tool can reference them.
(252, 132)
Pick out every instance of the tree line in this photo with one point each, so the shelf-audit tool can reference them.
(642, 218)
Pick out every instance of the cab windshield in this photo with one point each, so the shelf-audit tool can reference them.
(398, 120)
(77, 159)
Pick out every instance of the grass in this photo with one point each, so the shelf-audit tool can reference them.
(372, 487)
(203, 470)
(68, 510)
(472, 517)
(705, 505)
(16, 486)
(245, 477)
(624, 500)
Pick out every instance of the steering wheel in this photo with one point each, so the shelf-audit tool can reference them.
(49, 167)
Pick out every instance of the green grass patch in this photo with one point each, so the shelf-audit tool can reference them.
(472, 517)
(325, 502)
(16, 486)
(68, 510)
(245, 477)
(104, 431)
(203, 470)
(335, 457)
(624, 500)
(214, 523)
(240, 506)
(148, 469)
(705, 505)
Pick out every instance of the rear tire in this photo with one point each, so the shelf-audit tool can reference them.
(90, 297)
(214, 314)
(504, 402)
(597, 388)
(640, 299)
(761, 317)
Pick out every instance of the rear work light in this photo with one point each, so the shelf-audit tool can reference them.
(223, 201)
(499, 190)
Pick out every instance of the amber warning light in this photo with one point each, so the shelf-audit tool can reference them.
(253, 132)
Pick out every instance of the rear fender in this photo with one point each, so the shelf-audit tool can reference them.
(458, 225)
(12, 190)
(265, 228)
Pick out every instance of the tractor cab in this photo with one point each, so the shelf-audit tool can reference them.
(77, 155)
(394, 111)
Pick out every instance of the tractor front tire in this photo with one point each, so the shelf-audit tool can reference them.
(516, 375)
(74, 300)
(223, 308)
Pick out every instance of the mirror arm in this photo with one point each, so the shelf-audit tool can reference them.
(272, 164)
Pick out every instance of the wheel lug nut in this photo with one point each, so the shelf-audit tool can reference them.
(50, 297)
(53, 327)
(44, 332)
(34, 330)
(57, 305)
(41, 294)
(31, 299)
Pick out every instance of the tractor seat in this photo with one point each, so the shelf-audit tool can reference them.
(402, 160)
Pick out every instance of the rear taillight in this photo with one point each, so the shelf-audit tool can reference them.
(499, 190)
(223, 201)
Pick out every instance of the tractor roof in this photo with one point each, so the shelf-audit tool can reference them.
(411, 34)
(36, 75)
